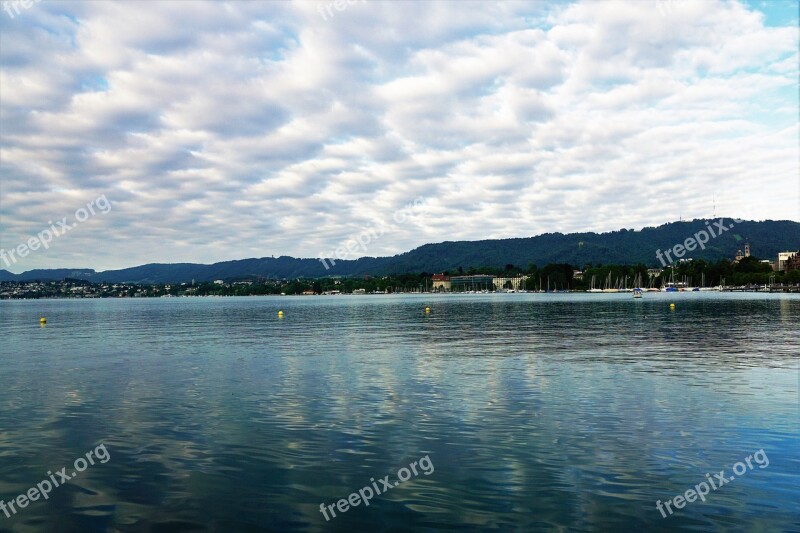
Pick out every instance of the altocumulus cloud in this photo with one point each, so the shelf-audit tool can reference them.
(224, 130)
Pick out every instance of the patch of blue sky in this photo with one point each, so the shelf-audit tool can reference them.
(776, 12)
(95, 84)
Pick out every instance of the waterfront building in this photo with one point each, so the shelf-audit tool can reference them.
(472, 283)
(441, 283)
(783, 258)
(517, 283)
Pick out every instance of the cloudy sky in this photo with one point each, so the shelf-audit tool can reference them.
(225, 130)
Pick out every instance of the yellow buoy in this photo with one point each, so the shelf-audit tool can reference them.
(280, 313)
(427, 309)
(43, 320)
(672, 306)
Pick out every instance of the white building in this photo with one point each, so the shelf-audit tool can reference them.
(517, 283)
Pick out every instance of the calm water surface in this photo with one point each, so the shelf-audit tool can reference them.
(538, 412)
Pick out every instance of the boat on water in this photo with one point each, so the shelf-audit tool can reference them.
(637, 287)
(673, 286)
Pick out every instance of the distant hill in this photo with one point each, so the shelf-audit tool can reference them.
(624, 246)
(48, 274)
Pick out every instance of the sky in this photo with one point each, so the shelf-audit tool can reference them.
(210, 131)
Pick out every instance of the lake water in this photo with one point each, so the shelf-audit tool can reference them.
(537, 412)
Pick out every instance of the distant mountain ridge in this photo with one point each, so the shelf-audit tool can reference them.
(624, 246)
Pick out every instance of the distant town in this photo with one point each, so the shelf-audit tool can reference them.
(743, 272)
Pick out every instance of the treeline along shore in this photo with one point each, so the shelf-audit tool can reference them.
(749, 272)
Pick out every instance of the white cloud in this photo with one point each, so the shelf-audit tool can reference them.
(239, 129)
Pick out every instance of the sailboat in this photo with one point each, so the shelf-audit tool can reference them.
(671, 285)
(608, 287)
(593, 288)
(637, 289)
